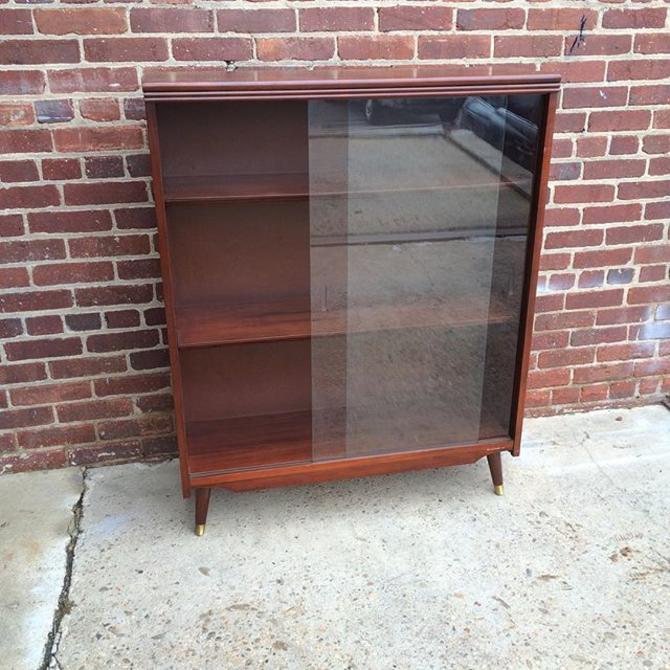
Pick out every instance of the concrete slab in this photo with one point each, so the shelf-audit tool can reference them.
(35, 517)
(571, 569)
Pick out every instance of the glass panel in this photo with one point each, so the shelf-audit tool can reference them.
(419, 216)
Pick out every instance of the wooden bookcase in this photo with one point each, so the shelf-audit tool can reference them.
(349, 260)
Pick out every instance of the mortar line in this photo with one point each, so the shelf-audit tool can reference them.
(64, 604)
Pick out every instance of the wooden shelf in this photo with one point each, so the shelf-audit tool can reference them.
(262, 442)
(236, 188)
(210, 325)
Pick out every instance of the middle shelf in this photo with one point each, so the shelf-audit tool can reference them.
(202, 325)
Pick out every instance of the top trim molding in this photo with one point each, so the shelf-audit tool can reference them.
(250, 83)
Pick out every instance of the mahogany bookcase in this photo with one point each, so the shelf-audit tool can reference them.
(349, 260)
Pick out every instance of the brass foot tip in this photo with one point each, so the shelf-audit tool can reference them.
(499, 490)
(199, 529)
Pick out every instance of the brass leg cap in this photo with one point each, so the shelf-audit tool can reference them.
(499, 490)
(199, 529)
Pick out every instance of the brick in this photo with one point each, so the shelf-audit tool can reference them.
(50, 324)
(561, 147)
(561, 282)
(654, 331)
(21, 170)
(18, 251)
(454, 46)
(117, 245)
(14, 277)
(61, 168)
(629, 119)
(94, 409)
(159, 446)
(604, 372)
(250, 20)
(648, 294)
(14, 114)
(592, 299)
(537, 398)
(548, 378)
(570, 122)
(22, 373)
(596, 96)
(149, 360)
(588, 147)
(565, 171)
(139, 165)
(593, 392)
(644, 189)
(81, 322)
(652, 43)
(81, 21)
(123, 318)
(113, 295)
(622, 389)
(29, 197)
(574, 238)
(137, 217)
(577, 71)
(24, 141)
(382, 47)
(21, 351)
(295, 48)
(651, 273)
(628, 234)
(561, 19)
(119, 429)
(610, 334)
(656, 144)
(527, 45)
(16, 21)
(72, 273)
(32, 460)
(122, 341)
(171, 20)
(634, 18)
(93, 79)
(21, 82)
(58, 436)
(415, 17)
(610, 169)
(659, 166)
(10, 328)
(657, 210)
(624, 144)
(154, 316)
(86, 367)
(50, 393)
(11, 225)
(131, 384)
(563, 216)
(20, 418)
(612, 214)
(650, 95)
(561, 358)
(96, 193)
(156, 402)
(623, 315)
(32, 52)
(69, 222)
(618, 276)
(624, 352)
(635, 69)
(599, 45)
(114, 452)
(133, 108)
(98, 138)
(126, 49)
(34, 301)
(576, 193)
(548, 303)
(656, 367)
(211, 48)
(100, 109)
(100, 167)
(490, 19)
(549, 340)
(591, 279)
(564, 396)
(602, 258)
(139, 269)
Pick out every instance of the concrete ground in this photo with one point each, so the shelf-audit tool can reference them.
(571, 569)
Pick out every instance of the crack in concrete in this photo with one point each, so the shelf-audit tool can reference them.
(64, 603)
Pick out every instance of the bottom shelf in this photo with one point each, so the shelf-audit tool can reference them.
(262, 442)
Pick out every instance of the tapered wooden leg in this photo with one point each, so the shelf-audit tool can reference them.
(495, 466)
(201, 507)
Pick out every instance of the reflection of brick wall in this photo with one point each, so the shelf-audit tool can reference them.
(84, 374)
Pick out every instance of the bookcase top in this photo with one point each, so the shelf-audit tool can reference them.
(340, 82)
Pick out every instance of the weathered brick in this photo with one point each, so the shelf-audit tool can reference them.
(20, 170)
(72, 273)
(17, 197)
(94, 409)
(81, 20)
(211, 48)
(527, 45)
(382, 47)
(122, 341)
(415, 17)
(502, 18)
(61, 168)
(50, 324)
(610, 169)
(57, 436)
(34, 349)
(602, 258)
(31, 52)
(169, 20)
(649, 69)
(126, 49)
(51, 393)
(86, 367)
(113, 295)
(20, 418)
(628, 234)
(249, 20)
(591, 299)
(93, 79)
(101, 167)
(644, 189)
(562, 19)
(652, 43)
(629, 119)
(295, 48)
(454, 46)
(635, 18)
(16, 21)
(598, 96)
(598, 45)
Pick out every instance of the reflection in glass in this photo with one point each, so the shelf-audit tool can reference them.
(419, 217)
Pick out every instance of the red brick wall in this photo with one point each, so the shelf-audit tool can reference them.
(84, 374)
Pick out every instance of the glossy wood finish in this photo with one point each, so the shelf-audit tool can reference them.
(240, 342)
(495, 466)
